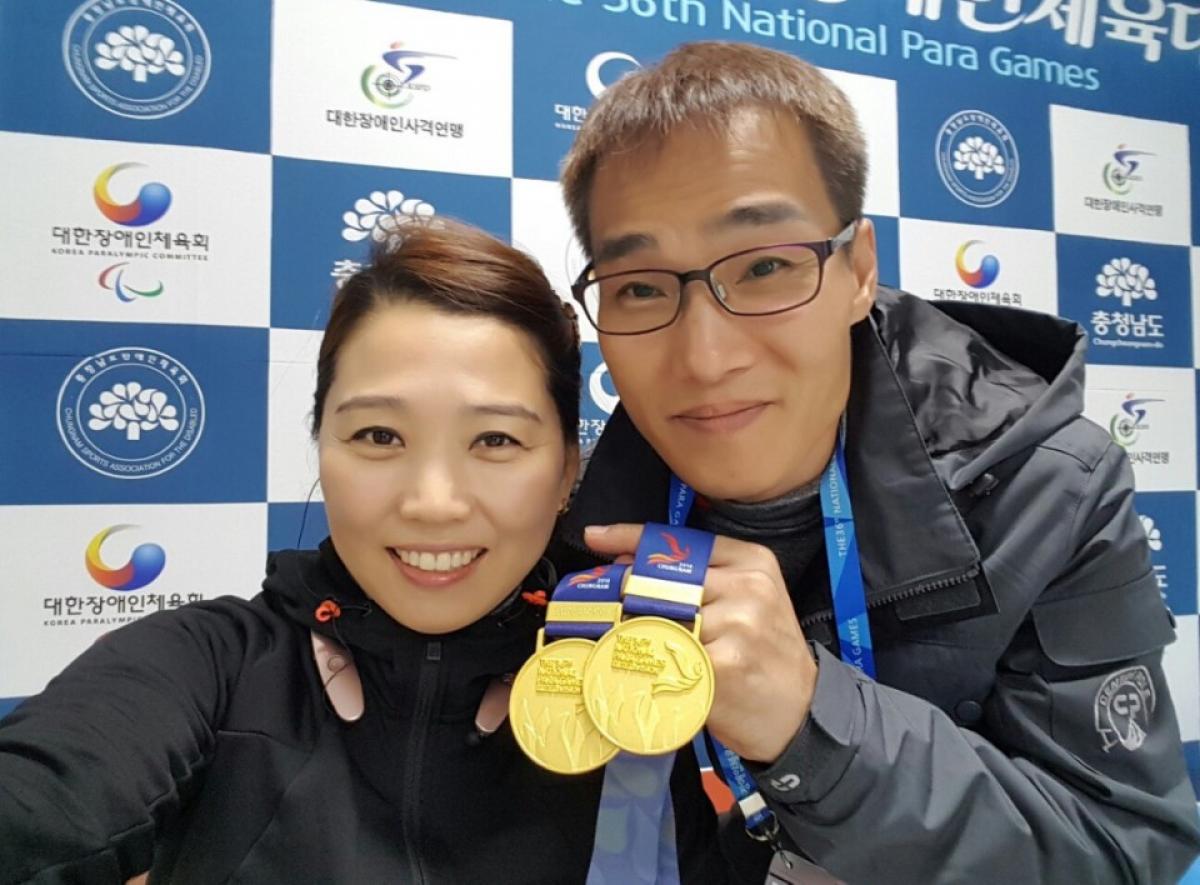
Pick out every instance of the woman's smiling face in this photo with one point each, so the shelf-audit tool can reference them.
(443, 462)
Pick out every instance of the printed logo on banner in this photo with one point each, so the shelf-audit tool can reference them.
(1079, 20)
(381, 218)
(599, 398)
(117, 564)
(1119, 177)
(114, 225)
(1133, 299)
(151, 203)
(982, 265)
(1129, 422)
(392, 85)
(1169, 520)
(145, 563)
(349, 208)
(143, 61)
(604, 69)
(112, 279)
(1121, 172)
(1151, 414)
(130, 413)
(977, 159)
(984, 274)
(78, 238)
(398, 80)
(122, 604)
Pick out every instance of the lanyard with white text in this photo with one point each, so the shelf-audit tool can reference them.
(849, 607)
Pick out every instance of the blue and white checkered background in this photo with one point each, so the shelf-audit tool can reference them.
(184, 185)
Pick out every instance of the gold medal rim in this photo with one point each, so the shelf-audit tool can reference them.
(526, 671)
(628, 627)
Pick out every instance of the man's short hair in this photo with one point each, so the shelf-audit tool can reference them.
(707, 83)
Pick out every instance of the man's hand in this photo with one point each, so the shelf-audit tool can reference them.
(765, 674)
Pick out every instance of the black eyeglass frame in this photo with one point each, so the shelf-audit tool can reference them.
(824, 249)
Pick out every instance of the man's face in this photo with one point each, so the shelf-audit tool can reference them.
(740, 407)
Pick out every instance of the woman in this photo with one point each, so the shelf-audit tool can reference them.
(231, 741)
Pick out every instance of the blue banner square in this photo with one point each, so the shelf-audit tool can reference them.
(1133, 300)
(1169, 519)
(115, 413)
(974, 159)
(195, 73)
(326, 216)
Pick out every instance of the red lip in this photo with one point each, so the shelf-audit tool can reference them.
(721, 417)
(434, 580)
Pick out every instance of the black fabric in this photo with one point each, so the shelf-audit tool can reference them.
(202, 739)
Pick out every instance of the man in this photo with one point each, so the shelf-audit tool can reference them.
(1020, 728)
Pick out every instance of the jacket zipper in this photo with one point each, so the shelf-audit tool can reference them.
(427, 684)
(908, 593)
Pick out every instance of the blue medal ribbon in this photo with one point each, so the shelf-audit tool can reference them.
(849, 608)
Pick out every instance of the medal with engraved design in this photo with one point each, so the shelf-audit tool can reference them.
(648, 685)
(547, 712)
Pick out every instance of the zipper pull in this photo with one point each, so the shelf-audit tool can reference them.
(433, 651)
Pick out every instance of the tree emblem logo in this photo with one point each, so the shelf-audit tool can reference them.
(130, 412)
(143, 61)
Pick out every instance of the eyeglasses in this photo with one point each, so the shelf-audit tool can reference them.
(755, 282)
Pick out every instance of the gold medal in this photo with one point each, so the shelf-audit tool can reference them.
(648, 685)
(547, 712)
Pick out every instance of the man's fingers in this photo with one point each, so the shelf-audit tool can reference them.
(613, 540)
(623, 537)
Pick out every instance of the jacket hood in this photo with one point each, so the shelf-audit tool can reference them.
(984, 382)
(940, 394)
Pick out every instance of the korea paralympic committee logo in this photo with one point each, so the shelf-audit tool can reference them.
(977, 159)
(145, 563)
(130, 412)
(143, 61)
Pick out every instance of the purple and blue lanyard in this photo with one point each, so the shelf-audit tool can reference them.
(635, 802)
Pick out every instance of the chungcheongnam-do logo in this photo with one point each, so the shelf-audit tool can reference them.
(145, 563)
(142, 61)
(130, 412)
(977, 159)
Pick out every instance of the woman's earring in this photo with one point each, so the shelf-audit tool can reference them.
(566, 505)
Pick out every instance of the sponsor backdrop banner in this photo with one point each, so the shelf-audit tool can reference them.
(187, 183)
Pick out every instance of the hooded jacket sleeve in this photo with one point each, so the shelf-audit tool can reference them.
(91, 767)
(1074, 772)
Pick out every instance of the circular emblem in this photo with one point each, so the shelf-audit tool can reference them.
(977, 159)
(130, 412)
(597, 80)
(547, 713)
(1125, 706)
(648, 685)
(143, 62)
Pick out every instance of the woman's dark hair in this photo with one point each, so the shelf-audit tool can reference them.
(457, 268)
